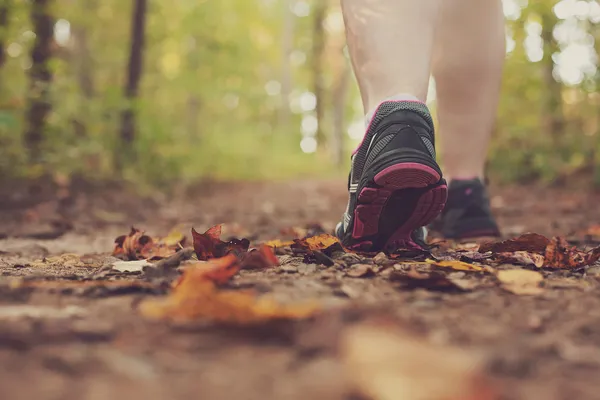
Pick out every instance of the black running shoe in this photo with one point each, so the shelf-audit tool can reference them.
(468, 213)
(395, 184)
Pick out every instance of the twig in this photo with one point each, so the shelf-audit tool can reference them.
(174, 260)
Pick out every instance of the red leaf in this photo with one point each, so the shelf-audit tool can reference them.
(208, 245)
(262, 258)
(532, 242)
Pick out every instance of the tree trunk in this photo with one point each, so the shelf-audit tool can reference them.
(318, 52)
(134, 72)
(287, 45)
(40, 78)
(553, 118)
(83, 61)
(4, 9)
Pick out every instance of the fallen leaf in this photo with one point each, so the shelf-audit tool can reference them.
(209, 244)
(137, 245)
(278, 243)
(456, 265)
(174, 238)
(559, 254)
(521, 258)
(318, 249)
(434, 280)
(521, 281)
(218, 270)
(531, 242)
(260, 258)
(384, 363)
(196, 296)
(320, 242)
(361, 271)
(132, 245)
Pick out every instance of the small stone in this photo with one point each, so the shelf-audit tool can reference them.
(290, 269)
(380, 259)
(361, 271)
(307, 269)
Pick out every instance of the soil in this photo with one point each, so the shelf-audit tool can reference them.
(73, 342)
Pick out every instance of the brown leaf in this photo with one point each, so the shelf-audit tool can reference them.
(521, 258)
(531, 242)
(559, 254)
(434, 280)
(132, 245)
(139, 246)
(456, 265)
(209, 245)
(384, 363)
(592, 256)
(196, 296)
(260, 258)
(521, 281)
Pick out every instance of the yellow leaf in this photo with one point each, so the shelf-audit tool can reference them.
(321, 242)
(196, 296)
(456, 265)
(278, 243)
(521, 281)
(173, 238)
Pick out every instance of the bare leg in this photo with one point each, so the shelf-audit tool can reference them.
(396, 186)
(390, 44)
(467, 66)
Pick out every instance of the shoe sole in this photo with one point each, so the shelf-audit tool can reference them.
(399, 199)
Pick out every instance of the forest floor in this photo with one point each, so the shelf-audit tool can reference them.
(71, 328)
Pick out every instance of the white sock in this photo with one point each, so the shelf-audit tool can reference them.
(398, 97)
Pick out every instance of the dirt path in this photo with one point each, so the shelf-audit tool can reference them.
(70, 341)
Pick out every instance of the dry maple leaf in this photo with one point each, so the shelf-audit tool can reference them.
(209, 245)
(321, 242)
(384, 363)
(139, 246)
(196, 296)
(318, 249)
(132, 246)
(531, 242)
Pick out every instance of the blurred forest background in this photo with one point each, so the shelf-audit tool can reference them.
(161, 91)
